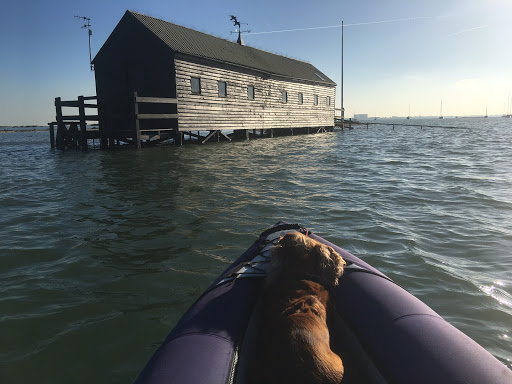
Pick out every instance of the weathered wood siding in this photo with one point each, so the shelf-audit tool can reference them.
(208, 110)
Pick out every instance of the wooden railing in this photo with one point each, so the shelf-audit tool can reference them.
(145, 116)
(72, 120)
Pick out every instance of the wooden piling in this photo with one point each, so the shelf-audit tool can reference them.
(83, 124)
(137, 123)
(52, 136)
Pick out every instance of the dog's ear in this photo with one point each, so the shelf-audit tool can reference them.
(330, 265)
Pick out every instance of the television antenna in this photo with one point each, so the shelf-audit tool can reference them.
(238, 24)
(87, 24)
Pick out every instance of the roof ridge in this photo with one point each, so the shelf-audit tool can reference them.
(221, 38)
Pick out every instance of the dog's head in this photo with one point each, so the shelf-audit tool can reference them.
(298, 256)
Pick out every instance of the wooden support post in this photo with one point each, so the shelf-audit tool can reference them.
(61, 128)
(52, 136)
(137, 123)
(350, 123)
(271, 132)
(83, 125)
(224, 135)
(208, 137)
(178, 138)
(58, 111)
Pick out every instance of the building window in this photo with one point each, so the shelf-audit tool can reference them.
(315, 99)
(223, 88)
(284, 96)
(250, 92)
(328, 100)
(195, 85)
(301, 98)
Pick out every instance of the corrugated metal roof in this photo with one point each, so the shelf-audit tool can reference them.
(188, 41)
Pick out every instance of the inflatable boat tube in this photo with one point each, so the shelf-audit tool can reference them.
(391, 336)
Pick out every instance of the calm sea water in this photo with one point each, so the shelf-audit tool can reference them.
(102, 252)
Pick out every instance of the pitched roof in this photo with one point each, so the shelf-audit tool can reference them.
(190, 42)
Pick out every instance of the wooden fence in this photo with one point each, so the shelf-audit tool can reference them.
(152, 134)
(73, 137)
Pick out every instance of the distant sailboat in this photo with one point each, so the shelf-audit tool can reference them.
(409, 115)
(508, 112)
(485, 117)
(441, 114)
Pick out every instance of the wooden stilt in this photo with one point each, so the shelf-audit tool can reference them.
(224, 135)
(178, 138)
(137, 123)
(61, 129)
(83, 125)
(52, 136)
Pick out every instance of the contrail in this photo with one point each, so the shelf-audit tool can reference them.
(389, 21)
(346, 25)
(466, 30)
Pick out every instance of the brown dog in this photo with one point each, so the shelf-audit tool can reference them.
(295, 339)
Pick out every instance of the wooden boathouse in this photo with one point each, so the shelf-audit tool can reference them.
(157, 80)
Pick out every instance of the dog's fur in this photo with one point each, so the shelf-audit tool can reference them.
(295, 343)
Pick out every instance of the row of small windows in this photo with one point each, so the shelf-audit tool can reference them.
(195, 84)
(284, 97)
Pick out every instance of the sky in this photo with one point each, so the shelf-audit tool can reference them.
(398, 54)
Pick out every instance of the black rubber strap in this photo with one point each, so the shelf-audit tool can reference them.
(284, 227)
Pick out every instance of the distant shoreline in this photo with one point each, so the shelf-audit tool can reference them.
(38, 129)
(23, 126)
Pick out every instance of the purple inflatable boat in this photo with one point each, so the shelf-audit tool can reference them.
(391, 336)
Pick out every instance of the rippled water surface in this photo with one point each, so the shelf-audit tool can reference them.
(103, 251)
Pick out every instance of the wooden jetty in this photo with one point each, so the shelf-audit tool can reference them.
(350, 124)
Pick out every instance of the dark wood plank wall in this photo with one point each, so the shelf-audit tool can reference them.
(209, 111)
(133, 60)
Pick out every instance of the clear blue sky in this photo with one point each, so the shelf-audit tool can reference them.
(457, 51)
